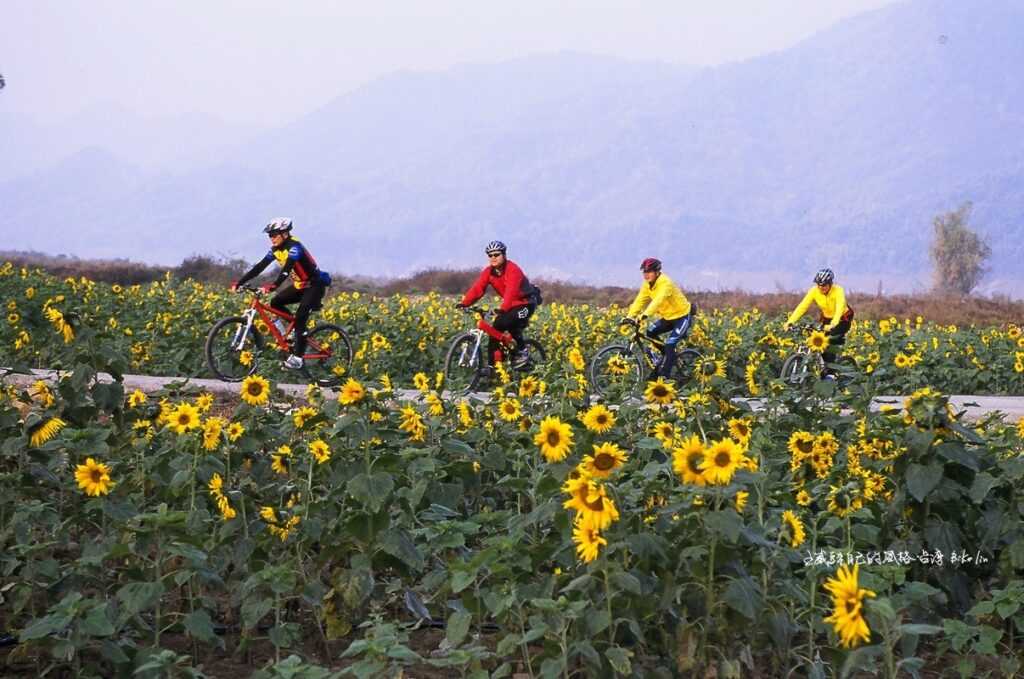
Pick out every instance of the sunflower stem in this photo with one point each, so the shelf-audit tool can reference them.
(608, 605)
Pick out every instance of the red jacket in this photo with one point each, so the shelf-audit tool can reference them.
(511, 284)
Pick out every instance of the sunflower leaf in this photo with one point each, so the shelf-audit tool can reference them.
(922, 479)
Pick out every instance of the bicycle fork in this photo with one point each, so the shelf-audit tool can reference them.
(243, 332)
(470, 361)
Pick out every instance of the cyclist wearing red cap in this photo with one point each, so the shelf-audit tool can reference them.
(518, 299)
(660, 296)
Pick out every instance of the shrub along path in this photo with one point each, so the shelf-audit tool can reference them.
(976, 407)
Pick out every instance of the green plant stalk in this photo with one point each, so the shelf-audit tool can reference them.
(812, 592)
(522, 644)
(608, 605)
(309, 489)
(277, 623)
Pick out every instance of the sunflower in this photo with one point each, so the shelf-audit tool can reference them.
(607, 458)
(590, 500)
(41, 393)
(1020, 427)
(93, 477)
(45, 431)
(412, 422)
(660, 392)
(848, 607)
(721, 461)
(255, 390)
(509, 410)
(320, 451)
(212, 429)
(204, 401)
(665, 432)
(235, 430)
(843, 501)
(901, 360)
(687, 461)
(794, 528)
(710, 368)
(826, 443)
(598, 419)
(801, 444)
(741, 500)
(803, 498)
(528, 386)
(588, 542)
(215, 485)
(554, 439)
(184, 418)
(421, 381)
(465, 414)
(617, 365)
(739, 428)
(435, 406)
(303, 415)
(576, 359)
(817, 342)
(379, 342)
(136, 398)
(352, 392)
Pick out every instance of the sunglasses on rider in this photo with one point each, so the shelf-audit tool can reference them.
(495, 254)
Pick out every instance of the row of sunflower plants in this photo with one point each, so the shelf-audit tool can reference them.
(160, 328)
(545, 535)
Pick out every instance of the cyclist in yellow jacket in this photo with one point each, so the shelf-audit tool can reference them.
(660, 296)
(836, 315)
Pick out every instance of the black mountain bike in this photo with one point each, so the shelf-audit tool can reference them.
(621, 368)
(805, 365)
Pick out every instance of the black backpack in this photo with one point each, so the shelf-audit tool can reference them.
(534, 297)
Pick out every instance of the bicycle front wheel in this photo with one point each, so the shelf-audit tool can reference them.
(230, 355)
(796, 370)
(615, 370)
(463, 365)
(328, 355)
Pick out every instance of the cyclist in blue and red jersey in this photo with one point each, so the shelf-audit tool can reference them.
(518, 300)
(307, 283)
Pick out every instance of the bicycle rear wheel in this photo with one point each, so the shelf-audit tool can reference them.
(615, 370)
(463, 365)
(685, 369)
(538, 358)
(228, 355)
(328, 355)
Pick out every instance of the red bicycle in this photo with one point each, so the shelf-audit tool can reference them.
(234, 345)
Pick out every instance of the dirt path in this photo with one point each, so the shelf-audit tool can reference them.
(975, 406)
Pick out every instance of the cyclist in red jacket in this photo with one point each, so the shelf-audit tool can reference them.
(517, 300)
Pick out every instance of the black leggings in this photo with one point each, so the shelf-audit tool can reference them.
(836, 339)
(309, 299)
(513, 321)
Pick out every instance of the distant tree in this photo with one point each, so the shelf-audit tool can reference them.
(957, 252)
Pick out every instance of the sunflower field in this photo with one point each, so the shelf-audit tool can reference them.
(370, 532)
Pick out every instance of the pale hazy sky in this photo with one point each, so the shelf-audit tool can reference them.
(268, 62)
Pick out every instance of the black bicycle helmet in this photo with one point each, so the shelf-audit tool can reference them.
(279, 225)
(495, 246)
(824, 277)
(650, 264)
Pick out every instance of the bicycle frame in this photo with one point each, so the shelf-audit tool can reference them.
(266, 313)
(639, 339)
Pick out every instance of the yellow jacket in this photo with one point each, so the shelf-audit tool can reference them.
(833, 305)
(662, 298)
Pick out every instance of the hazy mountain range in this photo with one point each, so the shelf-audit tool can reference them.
(838, 151)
